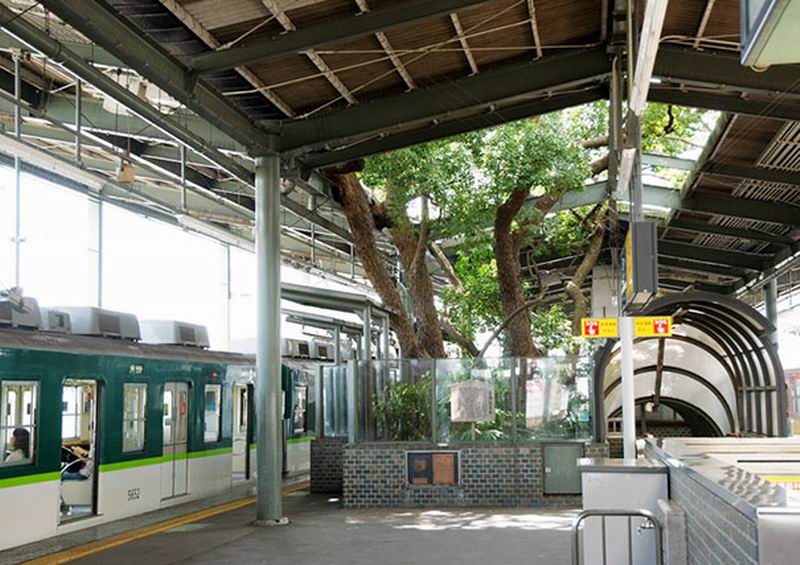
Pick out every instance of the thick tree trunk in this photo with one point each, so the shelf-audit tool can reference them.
(362, 227)
(507, 245)
(573, 287)
(412, 254)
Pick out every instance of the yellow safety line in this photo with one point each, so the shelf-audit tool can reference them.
(140, 533)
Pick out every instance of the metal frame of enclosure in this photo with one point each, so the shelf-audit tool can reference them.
(720, 362)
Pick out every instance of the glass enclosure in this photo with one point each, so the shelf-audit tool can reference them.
(460, 400)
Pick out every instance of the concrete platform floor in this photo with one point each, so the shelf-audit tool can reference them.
(322, 532)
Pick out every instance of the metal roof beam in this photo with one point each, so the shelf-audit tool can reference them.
(761, 210)
(751, 261)
(107, 28)
(327, 33)
(752, 173)
(723, 69)
(716, 229)
(453, 127)
(687, 264)
(484, 89)
(726, 103)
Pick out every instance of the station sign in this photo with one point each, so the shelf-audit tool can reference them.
(599, 327)
(644, 326)
(652, 326)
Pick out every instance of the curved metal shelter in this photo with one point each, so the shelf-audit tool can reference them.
(719, 369)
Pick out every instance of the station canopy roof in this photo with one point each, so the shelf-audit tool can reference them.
(329, 81)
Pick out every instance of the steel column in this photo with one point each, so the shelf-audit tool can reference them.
(771, 300)
(78, 112)
(17, 174)
(268, 336)
(385, 336)
(337, 346)
(95, 296)
(366, 346)
(628, 393)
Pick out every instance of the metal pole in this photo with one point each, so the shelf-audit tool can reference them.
(367, 344)
(182, 148)
(337, 345)
(269, 509)
(386, 340)
(628, 393)
(78, 113)
(17, 172)
(771, 300)
(312, 207)
(100, 249)
(228, 295)
(634, 129)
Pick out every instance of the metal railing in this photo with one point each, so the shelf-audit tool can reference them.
(651, 522)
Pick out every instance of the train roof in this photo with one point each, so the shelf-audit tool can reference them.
(45, 341)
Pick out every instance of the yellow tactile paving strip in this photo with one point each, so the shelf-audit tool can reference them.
(147, 531)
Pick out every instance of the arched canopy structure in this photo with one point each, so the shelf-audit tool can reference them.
(719, 362)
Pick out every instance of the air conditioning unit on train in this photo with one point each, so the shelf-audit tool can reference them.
(19, 312)
(321, 350)
(91, 321)
(57, 321)
(169, 332)
(295, 348)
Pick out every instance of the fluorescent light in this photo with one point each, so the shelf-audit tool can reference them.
(654, 15)
(215, 232)
(625, 171)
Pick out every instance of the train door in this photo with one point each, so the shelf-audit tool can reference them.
(175, 466)
(241, 432)
(79, 410)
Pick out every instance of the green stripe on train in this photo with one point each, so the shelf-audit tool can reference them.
(29, 479)
(108, 467)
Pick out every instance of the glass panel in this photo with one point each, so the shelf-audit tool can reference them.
(17, 423)
(134, 417)
(213, 413)
(334, 401)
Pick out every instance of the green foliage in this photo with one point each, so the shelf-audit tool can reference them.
(552, 328)
(665, 135)
(477, 308)
(405, 413)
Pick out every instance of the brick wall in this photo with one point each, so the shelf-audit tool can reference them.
(326, 464)
(491, 474)
(717, 533)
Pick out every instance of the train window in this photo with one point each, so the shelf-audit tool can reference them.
(134, 417)
(18, 423)
(213, 410)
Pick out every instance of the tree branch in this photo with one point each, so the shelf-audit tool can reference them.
(452, 334)
(446, 266)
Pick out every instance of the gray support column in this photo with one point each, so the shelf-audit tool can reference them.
(771, 300)
(17, 174)
(386, 337)
(95, 294)
(268, 335)
(366, 346)
(78, 115)
(228, 294)
(337, 346)
(182, 149)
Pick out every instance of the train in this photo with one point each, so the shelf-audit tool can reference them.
(103, 418)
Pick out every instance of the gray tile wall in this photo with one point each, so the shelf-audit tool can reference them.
(491, 474)
(716, 533)
(326, 464)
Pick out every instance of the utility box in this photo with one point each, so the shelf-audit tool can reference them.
(621, 484)
(561, 474)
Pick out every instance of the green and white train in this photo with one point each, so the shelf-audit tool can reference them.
(96, 426)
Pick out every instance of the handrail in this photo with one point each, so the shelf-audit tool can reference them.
(605, 513)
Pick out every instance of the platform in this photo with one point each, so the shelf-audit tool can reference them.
(322, 531)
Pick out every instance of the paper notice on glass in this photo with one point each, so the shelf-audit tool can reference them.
(534, 403)
(472, 401)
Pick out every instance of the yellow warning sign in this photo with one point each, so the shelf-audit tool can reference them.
(599, 327)
(652, 326)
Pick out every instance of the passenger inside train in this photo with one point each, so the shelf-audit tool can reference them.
(18, 446)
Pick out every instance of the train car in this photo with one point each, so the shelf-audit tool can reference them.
(94, 429)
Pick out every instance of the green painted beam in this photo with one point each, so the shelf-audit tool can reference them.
(715, 229)
(688, 264)
(752, 173)
(656, 160)
(89, 51)
(761, 210)
(468, 94)
(329, 32)
(105, 27)
(726, 103)
(682, 65)
(431, 132)
(751, 261)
